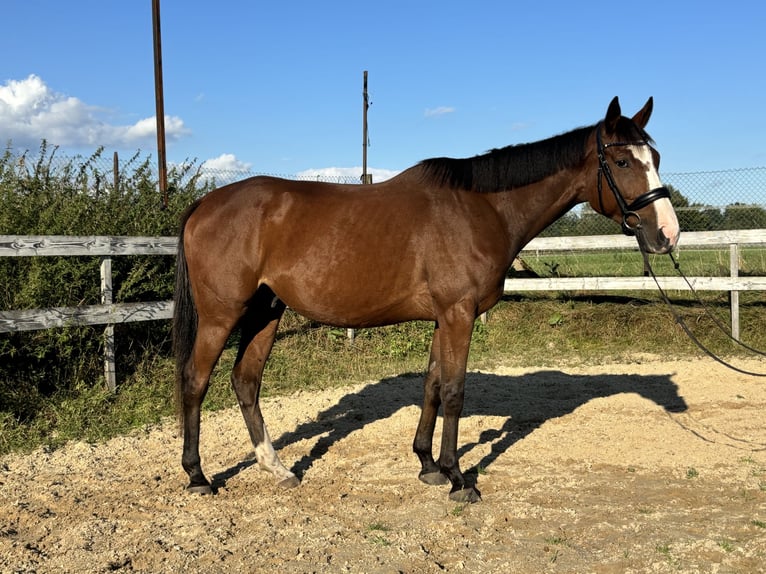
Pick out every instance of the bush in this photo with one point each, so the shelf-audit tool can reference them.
(79, 197)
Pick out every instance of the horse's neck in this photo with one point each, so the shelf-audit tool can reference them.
(530, 209)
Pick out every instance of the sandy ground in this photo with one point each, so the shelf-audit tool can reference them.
(643, 467)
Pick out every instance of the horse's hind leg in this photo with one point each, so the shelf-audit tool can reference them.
(195, 377)
(259, 328)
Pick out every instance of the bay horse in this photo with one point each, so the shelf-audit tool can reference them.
(433, 243)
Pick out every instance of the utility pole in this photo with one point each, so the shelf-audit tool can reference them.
(159, 102)
(366, 178)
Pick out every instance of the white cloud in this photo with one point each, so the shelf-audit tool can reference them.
(225, 162)
(225, 168)
(30, 111)
(440, 111)
(346, 174)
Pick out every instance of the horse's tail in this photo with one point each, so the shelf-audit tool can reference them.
(184, 328)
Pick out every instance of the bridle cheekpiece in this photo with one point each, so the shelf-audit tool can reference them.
(631, 221)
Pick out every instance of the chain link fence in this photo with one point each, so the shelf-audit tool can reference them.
(705, 200)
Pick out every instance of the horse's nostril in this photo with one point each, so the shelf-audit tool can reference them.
(664, 244)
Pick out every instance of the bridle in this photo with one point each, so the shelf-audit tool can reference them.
(631, 224)
(631, 221)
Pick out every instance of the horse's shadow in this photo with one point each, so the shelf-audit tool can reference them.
(526, 401)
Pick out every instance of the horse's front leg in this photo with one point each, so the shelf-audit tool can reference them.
(430, 473)
(455, 340)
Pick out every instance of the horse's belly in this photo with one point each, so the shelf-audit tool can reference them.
(356, 306)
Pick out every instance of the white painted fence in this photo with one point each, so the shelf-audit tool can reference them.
(110, 313)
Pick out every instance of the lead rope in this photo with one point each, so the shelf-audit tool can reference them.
(680, 320)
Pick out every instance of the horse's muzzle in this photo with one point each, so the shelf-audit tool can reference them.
(660, 244)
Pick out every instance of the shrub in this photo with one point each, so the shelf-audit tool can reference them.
(78, 196)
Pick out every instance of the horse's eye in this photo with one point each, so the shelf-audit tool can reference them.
(621, 163)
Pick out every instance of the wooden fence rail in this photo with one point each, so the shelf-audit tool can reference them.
(109, 313)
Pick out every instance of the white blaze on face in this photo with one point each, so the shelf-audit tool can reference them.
(667, 222)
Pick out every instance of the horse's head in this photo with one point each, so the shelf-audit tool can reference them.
(628, 187)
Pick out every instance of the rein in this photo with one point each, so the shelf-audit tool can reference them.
(680, 320)
(631, 225)
(631, 221)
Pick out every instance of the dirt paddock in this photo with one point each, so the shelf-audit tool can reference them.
(643, 467)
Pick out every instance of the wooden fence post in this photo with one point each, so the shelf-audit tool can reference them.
(106, 299)
(734, 295)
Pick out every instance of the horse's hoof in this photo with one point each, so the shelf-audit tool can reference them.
(199, 489)
(289, 482)
(466, 495)
(433, 478)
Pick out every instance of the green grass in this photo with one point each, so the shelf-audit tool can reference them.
(588, 328)
(457, 510)
(377, 531)
(663, 549)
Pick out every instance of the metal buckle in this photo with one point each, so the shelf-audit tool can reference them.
(627, 228)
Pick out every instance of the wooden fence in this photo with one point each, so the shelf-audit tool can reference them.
(109, 313)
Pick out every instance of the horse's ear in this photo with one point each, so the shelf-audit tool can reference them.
(612, 115)
(642, 117)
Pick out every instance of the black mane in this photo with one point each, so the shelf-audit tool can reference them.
(512, 166)
(523, 164)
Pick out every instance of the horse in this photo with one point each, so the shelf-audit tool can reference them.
(433, 243)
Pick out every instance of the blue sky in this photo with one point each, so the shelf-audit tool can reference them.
(276, 87)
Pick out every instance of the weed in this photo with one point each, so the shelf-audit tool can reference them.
(457, 510)
(758, 523)
(726, 545)
(553, 268)
(556, 540)
(747, 495)
(692, 473)
(378, 539)
(556, 320)
(477, 470)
